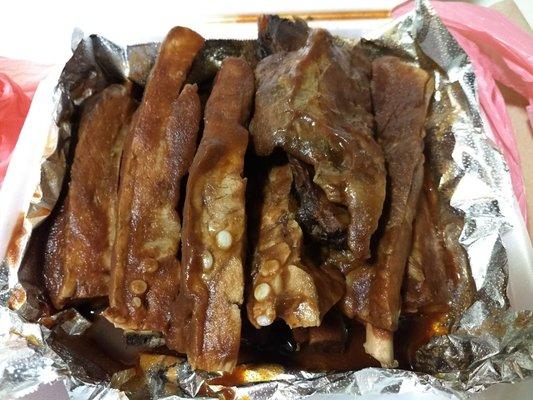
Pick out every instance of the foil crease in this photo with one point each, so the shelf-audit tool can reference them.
(370, 381)
(490, 343)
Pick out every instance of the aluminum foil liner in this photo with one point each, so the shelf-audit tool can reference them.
(489, 343)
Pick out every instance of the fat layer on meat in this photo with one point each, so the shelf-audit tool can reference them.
(158, 151)
(207, 317)
(78, 253)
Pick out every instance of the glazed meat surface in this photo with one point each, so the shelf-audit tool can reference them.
(310, 222)
(400, 94)
(314, 104)
(207, 317)
(437, 278)
(158, 151)
(78, 254)
(284, 284)
(427, 286)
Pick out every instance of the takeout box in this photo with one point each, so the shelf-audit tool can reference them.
(22, 207)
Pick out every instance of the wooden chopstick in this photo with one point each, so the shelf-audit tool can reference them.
(310, 16)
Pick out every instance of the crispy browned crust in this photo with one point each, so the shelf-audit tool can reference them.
(207, 318)
(284, 285)
(78, 253)
(400, 94)
(159, 149)
(323, 220)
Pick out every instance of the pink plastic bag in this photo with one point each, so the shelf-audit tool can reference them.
(14, 105)
(18, 81)
(500, 52)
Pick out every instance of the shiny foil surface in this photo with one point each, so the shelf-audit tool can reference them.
(488, 344)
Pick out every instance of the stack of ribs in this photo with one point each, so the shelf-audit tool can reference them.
(353, 131)
(349, 226)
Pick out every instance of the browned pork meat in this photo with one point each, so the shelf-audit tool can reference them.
(310, 103)
(400, 94)
(279, 34)
(331, 336)
(207, 317)
(438, 278)
(427, 284)
(157, 154)
(78, 254)
(320, 218)
(285, 285)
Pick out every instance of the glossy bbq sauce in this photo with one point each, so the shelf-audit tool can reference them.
(415, 331)
(14, 249)
(270, 351)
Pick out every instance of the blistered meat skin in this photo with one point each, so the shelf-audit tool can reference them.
(158, 151)
(436, 280)
(313, 104)
(207, 317)
(284, 285)
(78, 253)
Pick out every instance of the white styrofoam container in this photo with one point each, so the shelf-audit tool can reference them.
(23, 173)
